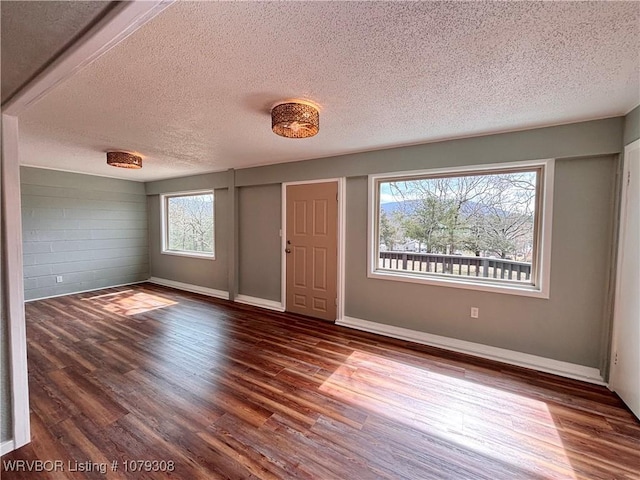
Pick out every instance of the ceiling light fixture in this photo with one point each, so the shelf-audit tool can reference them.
(124, 160)
(295, 119)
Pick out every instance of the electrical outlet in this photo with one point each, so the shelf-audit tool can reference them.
(475, 312)
(59, 279)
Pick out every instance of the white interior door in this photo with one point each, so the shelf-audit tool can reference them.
(625, 368)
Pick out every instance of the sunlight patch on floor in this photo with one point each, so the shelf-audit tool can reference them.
(454, 409)
(128, 303)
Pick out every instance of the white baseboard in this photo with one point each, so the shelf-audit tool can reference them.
(548, 365)
(210, 292)
(6, 447)
(260, 302)
(86, 291)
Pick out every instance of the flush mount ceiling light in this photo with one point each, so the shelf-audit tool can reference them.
(124, 160)
(295, 120)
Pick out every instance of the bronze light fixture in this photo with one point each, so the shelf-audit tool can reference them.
(124, 160)
(295, 120)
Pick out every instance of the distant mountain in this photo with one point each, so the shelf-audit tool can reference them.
(403, 206)
(408, 206)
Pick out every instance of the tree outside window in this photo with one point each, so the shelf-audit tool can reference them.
(189, 224)
(491, 215)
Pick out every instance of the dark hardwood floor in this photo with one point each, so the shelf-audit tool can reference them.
(227, 391)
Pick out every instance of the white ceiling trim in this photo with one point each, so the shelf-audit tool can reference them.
(115, 27)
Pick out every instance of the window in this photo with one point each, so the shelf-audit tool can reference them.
(485, 228)
(188, 224)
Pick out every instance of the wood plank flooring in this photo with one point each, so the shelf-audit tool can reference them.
(228, 391)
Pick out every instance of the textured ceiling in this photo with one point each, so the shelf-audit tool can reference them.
(33, 33)
(191, 90)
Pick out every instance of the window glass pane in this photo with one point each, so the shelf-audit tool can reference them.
(475, 225)
(190, 223)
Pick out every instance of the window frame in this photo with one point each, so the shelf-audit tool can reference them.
(541, 264)
(164, 224)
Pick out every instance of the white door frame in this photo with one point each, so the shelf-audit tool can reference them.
(13, 282)
(341, 240)
(620, 260)
(106, 34)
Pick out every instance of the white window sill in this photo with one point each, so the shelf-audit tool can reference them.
(203, 256)
(462, 282)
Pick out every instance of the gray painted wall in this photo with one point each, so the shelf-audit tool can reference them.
(632, 126)
(599, 137)
(195, 271)
(90, 230)
(567, 327)
(260, 212)
(207, 181)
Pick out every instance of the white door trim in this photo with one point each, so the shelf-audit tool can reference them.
(14, 282)
(107, 33)
(341, 241)
(620, 261)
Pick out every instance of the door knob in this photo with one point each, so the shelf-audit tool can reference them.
(287, 250)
